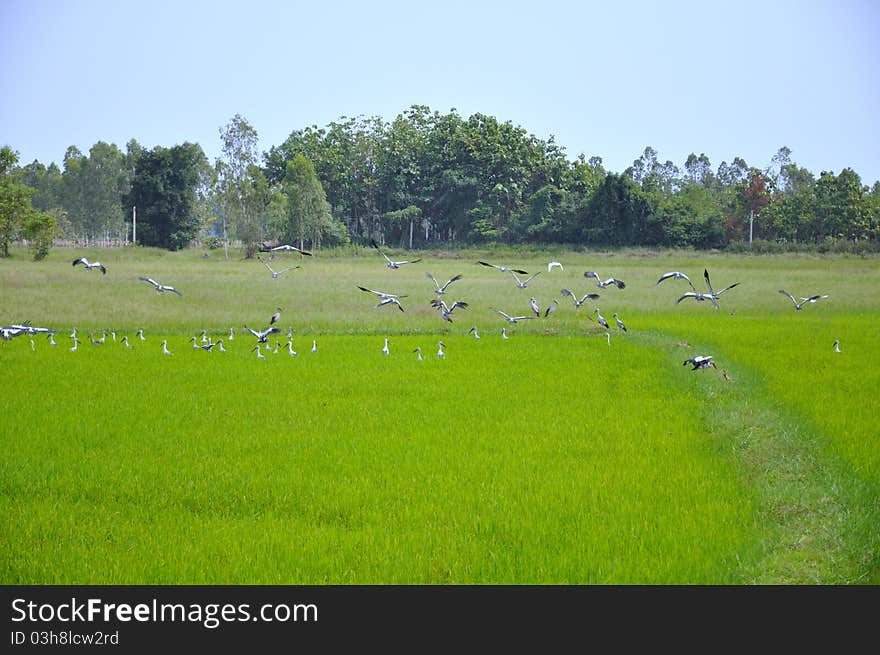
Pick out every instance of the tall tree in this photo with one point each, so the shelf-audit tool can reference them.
(239, 183)
(308, 212)
(15, 199)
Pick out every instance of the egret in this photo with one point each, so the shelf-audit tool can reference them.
(165, 350)
(385, 298)
(231, 334)
(418, 352)
(196, 346)
(522, 284)
(608, 338)
(389, 262)
(440, 352)
(76, 342)
(276, 274)
(259, 350)
(441, 289)
(314, 346)
(290, 350)
(385, 350)
(619, 322)
(125, 341)
(220, 346)
(73, 333)
(288, 248)
(140, 334)
(504, 332)
(160, 288)
(504, 268)
(604, 283)
(95, 342)
(90, 265)
(837, 346)
(799, 305)
(676, 275)
(700, 361)
(553, 265)
(52, 339)
(474, 331)
(583, 299)
(512, 319)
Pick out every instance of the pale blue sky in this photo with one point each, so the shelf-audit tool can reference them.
(605, 78)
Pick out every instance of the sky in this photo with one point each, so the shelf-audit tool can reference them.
(604, 79)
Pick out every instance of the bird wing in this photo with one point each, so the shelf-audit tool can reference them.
(531, 277)
(491, 265)
(726, 288)
(172, 290)
(431, 277)
(708, 284)
(289, 268)
(508, 316)
(618, 283)
(666, 276)
(787, 294)
(253, 332)
(592, 274)
(566, 292)
(265, 264)
(81, 260)
(150, 280)
(451, 280)
(689, 294)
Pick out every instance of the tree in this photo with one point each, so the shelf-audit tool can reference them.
(15, 199)
(164, 191)
(39, 229)
(239, 182)
(308, 212)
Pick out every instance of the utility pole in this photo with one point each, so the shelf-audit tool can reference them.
(134, 225)
(751, 225)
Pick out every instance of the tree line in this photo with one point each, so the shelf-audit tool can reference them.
(423, 180)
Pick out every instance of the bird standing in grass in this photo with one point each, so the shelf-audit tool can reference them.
(837, 345)
(385, 350)
(314, 345)
(418, 352)
(473, 331)
(76, 343)
(259, 350)
(165, 350)
(440, 353)
(277, 315)
(619, 322)
(700, 361)
(601, 319)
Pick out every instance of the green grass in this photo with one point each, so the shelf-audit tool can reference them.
(547, 458)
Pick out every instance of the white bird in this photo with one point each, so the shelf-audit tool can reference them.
(441, 289)
(553, 265)
(389, 262)
(262, 337)
(608, 338)
(195, 345)
(204, 336)
(804, 301)
(95, 342)
(140, 334)
(582, 300)
(73, 333)
(276, 274)
(700, 361)
(314, 346)
(534, 305)
(385, 298)
(604, 283)
(220, 346)
(712, 295)
(290, 333)
(165, 350)
(837, 346)
(512, 319)
(76, 342)
(601, 319)
(90, 265)
(385, 350)
(275, 316)
(676, 275)
(522, 284)
(446, 310)
(33, 345)
(160, 288)
(290, 350)
(504, 268)
(52, 339)
(440, 352)
(288, 248)
(231, 334)
(504, 333)
(619, 322)
(259, 350)
(474, 331)
(125, 341)
(113, 334)
(418, 352)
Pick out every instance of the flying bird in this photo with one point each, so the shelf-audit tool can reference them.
(389, 262)
(553, 265)
(512, 319)
(676, 275)
(504, 268)
(712, 295)
(160, 288)
(90, 265)
(276, 274)
(799, 305)
(582, 300)
(522, 284)
(288, 248)
(385, 298)
(700, 361)
(604, 283)
(262, 337)
(441, 289)
(446, 310)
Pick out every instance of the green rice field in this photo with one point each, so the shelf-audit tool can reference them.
(565, 454)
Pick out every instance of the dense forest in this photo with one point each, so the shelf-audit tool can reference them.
(424, 180)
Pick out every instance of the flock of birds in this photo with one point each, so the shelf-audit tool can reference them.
(520, 278)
